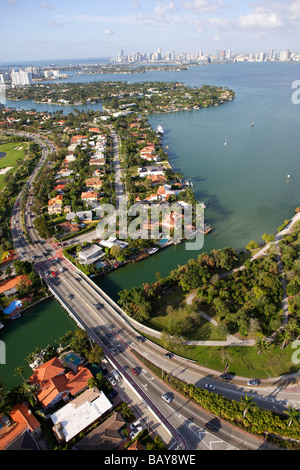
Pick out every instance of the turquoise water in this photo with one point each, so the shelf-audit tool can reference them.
(39, 326)
(72, 358)
(244, 184)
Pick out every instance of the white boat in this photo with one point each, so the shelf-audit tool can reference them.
(225, 143)
(252, 124)
(1, 326)
(152, 251)
(159, 130)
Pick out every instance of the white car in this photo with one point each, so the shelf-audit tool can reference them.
(135, 424)
(166, 397)
(112, 381)
(137, 431)
(210, 387)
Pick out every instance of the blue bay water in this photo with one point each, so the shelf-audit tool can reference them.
(244, 184)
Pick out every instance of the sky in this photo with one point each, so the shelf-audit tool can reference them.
(59, 29)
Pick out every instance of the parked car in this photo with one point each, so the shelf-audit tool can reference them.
(137, 431)
(135, 424)
(112, 394)
(112, 381)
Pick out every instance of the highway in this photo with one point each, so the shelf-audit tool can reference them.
(107, 325)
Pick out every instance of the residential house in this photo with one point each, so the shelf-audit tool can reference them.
(89, 197)
(84, 216)
(9, 287)
(55, 204)
(94, 183)
(56, 384)
(107, 436)
(20, 430)
(79, 414)
(91, 255)
(112, 241)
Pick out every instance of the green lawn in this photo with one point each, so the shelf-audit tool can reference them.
(173, 307)
(10, 160)
(243, 361)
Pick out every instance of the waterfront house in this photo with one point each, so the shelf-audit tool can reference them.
(9, 287)
(91, 255)
(112, 241)
(56, 384)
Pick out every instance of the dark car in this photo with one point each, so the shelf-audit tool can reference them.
(140, 339)
(169, 355)
(112, 394)
(211, 427)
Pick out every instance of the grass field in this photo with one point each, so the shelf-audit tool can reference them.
(15, 151)
(173, 307)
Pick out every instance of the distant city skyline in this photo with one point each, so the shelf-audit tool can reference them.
(51, 29)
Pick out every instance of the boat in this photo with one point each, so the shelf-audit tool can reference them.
(288, 176)
(225, 143)
(159, 130)
(252, 124)
(152, 251)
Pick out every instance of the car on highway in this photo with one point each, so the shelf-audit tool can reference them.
(137, 431)
(167, 397)
(169, 355)
(140, 339)
(134, 371)
(211, 427)
(210, 387)
(253, 382)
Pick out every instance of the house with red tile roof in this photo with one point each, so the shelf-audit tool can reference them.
(56, 384)
(22, 422)
(9, 287)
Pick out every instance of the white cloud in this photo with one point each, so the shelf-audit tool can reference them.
(54, 24)
(200, 6)
(46, 6)
(108, 32)
(261, 19)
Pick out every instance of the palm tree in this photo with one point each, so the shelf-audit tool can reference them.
(261, 344)
(247, 402)
(20, 371)
(293, 415)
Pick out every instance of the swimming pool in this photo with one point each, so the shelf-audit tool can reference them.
(163, 242)
(70, 357)
(15, 304)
